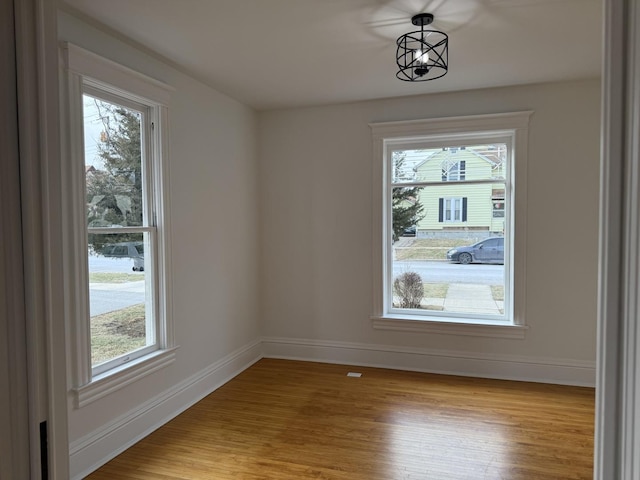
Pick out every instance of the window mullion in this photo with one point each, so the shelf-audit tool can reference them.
(449, 182)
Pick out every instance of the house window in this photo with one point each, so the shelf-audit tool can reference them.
(451, 171)
(452, 209)
(117, 211)
(121, 221)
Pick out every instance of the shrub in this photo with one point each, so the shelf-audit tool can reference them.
(408, 286)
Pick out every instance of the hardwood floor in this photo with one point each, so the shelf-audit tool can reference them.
(295, 420)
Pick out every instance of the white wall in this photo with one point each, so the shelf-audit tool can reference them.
(315, 170)
(213, 197)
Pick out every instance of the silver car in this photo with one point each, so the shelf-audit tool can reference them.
(133, 250)
(489, 250)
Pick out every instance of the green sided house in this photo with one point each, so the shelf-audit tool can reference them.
(465, 191)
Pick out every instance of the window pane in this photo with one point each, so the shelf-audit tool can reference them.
(113, 164)
(448, 265)
(447, 164)
(120, 303)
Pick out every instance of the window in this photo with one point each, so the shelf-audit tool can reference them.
(121, 213)
(452, 209)
(118, 217)
(460, 183)
(452, 172)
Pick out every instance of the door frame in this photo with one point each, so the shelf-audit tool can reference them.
(618, 375)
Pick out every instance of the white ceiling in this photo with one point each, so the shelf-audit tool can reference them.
(285, 53)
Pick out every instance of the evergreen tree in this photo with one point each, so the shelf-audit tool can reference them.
(114, 192)
(405, 205)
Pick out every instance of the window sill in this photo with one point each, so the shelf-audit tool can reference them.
(119, 377)
(478, 328)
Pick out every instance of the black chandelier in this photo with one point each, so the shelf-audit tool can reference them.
(422, 55)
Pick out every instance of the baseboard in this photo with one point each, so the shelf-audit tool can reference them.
(95, 449)
(505, 367)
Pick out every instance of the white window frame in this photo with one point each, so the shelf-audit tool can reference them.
(452, 209)
(86, 71)
(511, 128)
(454, 172)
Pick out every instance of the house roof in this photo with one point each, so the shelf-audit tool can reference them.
(288, 53)
(437, 155)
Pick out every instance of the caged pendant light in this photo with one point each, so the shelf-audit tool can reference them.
(422, 55)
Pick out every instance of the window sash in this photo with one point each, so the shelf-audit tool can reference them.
(152, 329)
(390, 146)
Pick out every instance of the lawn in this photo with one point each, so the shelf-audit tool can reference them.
(436, 290)
(116, 333)
(115, 277)
(429, 248)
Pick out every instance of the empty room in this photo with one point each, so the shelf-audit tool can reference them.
(308, 239)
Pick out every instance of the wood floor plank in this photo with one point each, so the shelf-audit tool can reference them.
(286, 420)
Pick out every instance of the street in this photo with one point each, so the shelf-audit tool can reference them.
(445, 272)
(108, 297)
(100, 264)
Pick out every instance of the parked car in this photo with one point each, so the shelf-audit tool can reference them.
(133, 250)
(489, 250)
(409, 232)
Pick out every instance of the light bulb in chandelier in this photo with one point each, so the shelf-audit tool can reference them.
(421, 57)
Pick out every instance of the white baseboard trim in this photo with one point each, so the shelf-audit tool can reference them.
(95, 449)
(505, 367)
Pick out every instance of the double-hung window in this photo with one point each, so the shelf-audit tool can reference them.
(117, 211)
(460, 184)
(452, 209)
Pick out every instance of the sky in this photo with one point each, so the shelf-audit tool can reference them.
(92, 127)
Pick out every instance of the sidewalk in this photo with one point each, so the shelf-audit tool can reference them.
(466, 298)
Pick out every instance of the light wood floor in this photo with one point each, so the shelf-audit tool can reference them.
(295, 420)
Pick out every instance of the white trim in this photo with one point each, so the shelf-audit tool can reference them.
(451, 125)
(98, 447)
(480, 364)
(161, 182)
(15, 418)
(506, 126)
(76, 281)
(452, 210)
(630, 428)
(450, 327)
(88, 64)
(78, 69)
(617, 439)
(614, 413)
(117, 378)
(36, 61)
